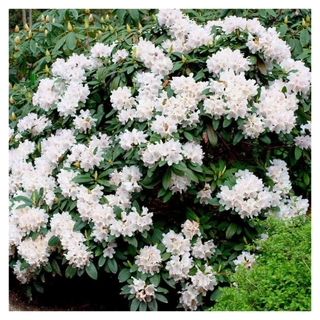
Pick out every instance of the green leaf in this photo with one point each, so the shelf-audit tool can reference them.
(55, 267)
(297, 153)
(133, 241)
(212, 136)
(166, 179)
(265, 139)
(91, 271)
(153, 305)
(102, 261)
(237, 138)
(143, 306)
(161, 298)
(53, 241)
(262, 67)
(48, 267)
(113, 266)
(283, 29)
(24, 199)
(226, 123)
(167, 196)
(120, 14)
(124, 275)
(70, 272)
(155, 279)
(216, 294)
(304, 37)
(214, 202)
(306, 178)
(134, 13)
(71, 40)
(231, 230)
(188, 135)
(59, 44)
(83, 178)
(176, 66)
(134, 304)
(38, 287)
(191, 215)
(79, 225)
(191, 175)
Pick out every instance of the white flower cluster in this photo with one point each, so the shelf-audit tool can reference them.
(226, 59)
(35, 253)
(84, 121)
(142, 291)
(129, 139)
(28, 219)
(245, 259)
(91, 155)
(230, 96)
(201, 283)
(277, 108)
(279, 173)
(153, 57)
(149, 260)
(205, 194)
(181, 262)
(249, 197)
(72, 241)
(33, 123)
(186, 34)
(304, 140)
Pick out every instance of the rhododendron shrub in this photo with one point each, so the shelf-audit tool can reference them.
(149, 154)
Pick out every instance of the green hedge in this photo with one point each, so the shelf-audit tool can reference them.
(282, 279)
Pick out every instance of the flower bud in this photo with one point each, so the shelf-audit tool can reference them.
(13, 116)
(16, 29)
(26, 27)
(47, 18)
(91, 19)
(286, 20)
(16, 40)
(154, 17)
(45, 32)
(69, 27)
(46, 69)
(76, 164)
(11, 100)
(110, 28)
(54, 20)
(10, 85)
(16, 48)
(128, 28)
(86, 24)
(29, 95)
(139, 26)
(304, 23)
(308, 19)
(103, 27)
(47, 53)
(102, 20)
(14, 88)
(95, 176)
(30, 34)
(171, 48)
(107, 17)
(184, 59)
(87, 11)
(134, 53)
(42, 18)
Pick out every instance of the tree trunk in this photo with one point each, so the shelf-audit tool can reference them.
(30, 18)
(24, 19)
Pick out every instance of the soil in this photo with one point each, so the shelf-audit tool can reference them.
(78, 294)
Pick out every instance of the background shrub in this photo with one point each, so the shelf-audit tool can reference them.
(282, 279)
